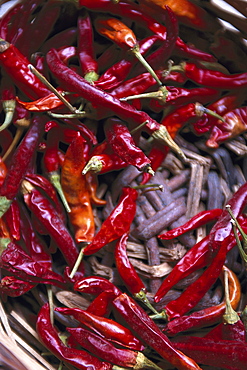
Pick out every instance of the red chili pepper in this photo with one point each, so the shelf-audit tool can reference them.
(150, 334)
(3, 171)
(101, 305)
(49, 218)
(102, 163)
(18, 263)
(117, 223)
(122, 143)
(16, 65)
(71, 356)
(211, 78)
(106, 350)
(234, 124)
(124, 111)
(20, 161)
(225, 354)
(60, 40)
(201, 219)
(106, 328)
(207, 316)
(6, 20)
(14, 287)
(196, 258)
(86, 55)
(95, 285)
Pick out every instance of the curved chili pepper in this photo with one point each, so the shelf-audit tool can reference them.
(207, 316)
(49, 218)
(7, 19)
(107, 328)
(124, 111)
(14, 287)
(87, 59)
(117, 223)
(138, 319)
(50, 338)
(20, 162)
(106, 350)
(202, 218)
(8, 101)
(16, 65)
(75, 189)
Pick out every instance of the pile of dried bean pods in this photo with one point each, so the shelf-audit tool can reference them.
(123, 185)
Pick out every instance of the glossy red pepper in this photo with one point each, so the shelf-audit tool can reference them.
(16, 65)
(95, 285)
(20, 161)
(117, 223)
(106, 328)
(12, 218)
(150, 334)
(14, 287)
(207, 316)
(106, 350)
(101, 305)
(72, 356)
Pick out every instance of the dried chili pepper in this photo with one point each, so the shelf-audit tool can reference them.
(16, 65)
(3, 171)
(102, 163)
(107, 328)
(76, 192)
(20, 162)
(225, 354)
(106, 350)
(207, 316)
(124, 111)
(117, 223)
(44, 210)
(150, 334)
(14, 287)
(95, 285)
(50, 338)
(198, 220)
(101, 305)
(12, 218)
(18, 263)
(86, 55)
(122, 143)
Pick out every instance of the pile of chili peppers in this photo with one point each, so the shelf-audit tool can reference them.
(109, 111)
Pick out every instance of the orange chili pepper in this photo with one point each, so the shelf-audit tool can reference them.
(76, 190)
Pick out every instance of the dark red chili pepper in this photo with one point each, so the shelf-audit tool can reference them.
(207, 316)
(105, 349)
(49, 218)
(75, 357)
(106, 328)
(196, 258)
(16, 65)
(62, 39)
(95, 285)
(14, 287)
(18, 263)
(117, 223)
(3, 171)
(122, 143)
(88, 63)
(20, 161)
(225, 354)
(48, 14)
(7, 19)
(211, 78)
(150, 334)
(98, 97)
(198, 220)
(114, 75)
(156, 155)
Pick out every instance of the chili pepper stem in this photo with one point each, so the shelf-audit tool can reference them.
(91, 77)
(50, 300)
(141, 296)
(161, 94)
(9, 109)
(236, 226)
(230, 316)
(77, 264)
(142, 362)
(163, 135)
(136, 51)
(138, 127)
(200, 110)
(93, 165)
(55, 180)
(52, 88)
(159, 316)
(14, 142)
